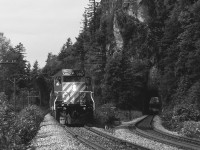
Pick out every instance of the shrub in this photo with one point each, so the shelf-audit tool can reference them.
(191, 129)
(186, 112)
(17, 129)
(174, 118)
(27, 123)
(105, 115)
(7, 131)
(167, 118)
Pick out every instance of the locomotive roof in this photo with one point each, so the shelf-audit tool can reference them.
(69, 72)
(59, 73)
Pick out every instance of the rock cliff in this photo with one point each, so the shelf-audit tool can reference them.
(111, 8)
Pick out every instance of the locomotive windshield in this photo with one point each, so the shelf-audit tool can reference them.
(71, 79)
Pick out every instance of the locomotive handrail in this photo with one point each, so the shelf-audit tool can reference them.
(90, 96)
(78, 91)
(87, 91)
(54, 103)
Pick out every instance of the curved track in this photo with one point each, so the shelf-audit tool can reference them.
(145, 128)
(100, 140)
(85, 140)
(123, 143)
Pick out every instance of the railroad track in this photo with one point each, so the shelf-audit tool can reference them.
(145, 128)
(85, 140)
(100, 140)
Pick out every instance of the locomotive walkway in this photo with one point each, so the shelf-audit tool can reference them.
(52, 136)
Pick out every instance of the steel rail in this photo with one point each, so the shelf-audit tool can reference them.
(163, 137)
(118, 140)
(183, 138)
(85, 141)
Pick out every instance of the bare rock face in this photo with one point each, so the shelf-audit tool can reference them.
(153, 78)
(132, 8)
(117, 35)
(129, 7)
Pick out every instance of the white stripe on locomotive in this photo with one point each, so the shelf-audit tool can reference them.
(70, 95)
(65, 85)
(77, 94)
(66, 92)
(72, 98)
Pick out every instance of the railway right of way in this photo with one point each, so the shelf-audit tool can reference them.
(102, 141)
(145, 128)
(55, 136)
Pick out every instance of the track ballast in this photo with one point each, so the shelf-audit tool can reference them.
(104, 140)
(146, 129)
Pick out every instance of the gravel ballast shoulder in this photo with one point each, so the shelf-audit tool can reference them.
(125, 134)
(52, 136)
(157, 123)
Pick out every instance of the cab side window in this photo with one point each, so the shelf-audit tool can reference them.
(88, 81)
(58, 81)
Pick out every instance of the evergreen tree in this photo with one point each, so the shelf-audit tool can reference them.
(63, 53)
(35, 70)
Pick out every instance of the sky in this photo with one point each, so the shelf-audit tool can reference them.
(42, 26)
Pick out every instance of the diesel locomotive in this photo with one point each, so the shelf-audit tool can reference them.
(154, 106)
(71, 99)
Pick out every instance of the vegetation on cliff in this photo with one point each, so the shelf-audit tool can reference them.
(159, 56)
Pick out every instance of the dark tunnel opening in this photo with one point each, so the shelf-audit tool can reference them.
(152, 103)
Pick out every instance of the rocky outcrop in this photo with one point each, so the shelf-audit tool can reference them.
(129, 7)
(153, 78)
(117, 36)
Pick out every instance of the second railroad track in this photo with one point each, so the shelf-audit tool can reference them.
(101, 141)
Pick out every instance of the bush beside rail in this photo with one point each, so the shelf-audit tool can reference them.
(108, 114)
(104, 115)
(191, 129)
(17, 130)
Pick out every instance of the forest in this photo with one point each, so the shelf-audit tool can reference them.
(133, 50)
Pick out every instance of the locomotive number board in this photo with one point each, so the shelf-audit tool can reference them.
(70, 72)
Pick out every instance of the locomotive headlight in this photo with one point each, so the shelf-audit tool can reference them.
(57, 84)
(74, 88)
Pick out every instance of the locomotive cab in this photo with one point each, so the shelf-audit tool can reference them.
(72, 96)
